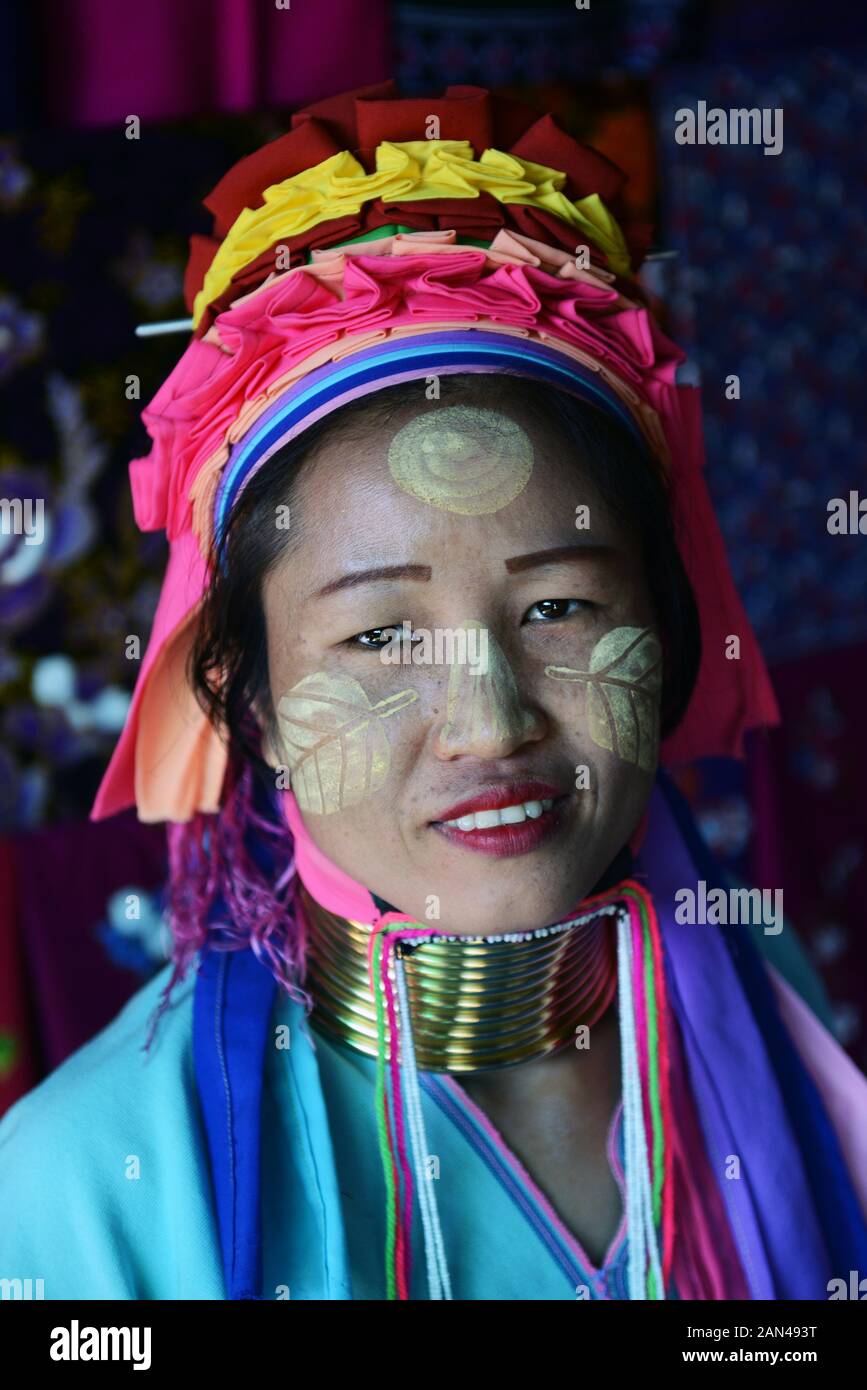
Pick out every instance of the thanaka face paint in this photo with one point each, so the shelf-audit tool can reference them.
(332, 740)
(462, 459)
(483, 703)
(623, 683)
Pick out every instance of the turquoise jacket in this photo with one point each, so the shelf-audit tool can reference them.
(107, 1190)
(134, 1175)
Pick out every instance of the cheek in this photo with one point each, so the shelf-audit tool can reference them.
(339, 737)
(291, 656)
(617, 692)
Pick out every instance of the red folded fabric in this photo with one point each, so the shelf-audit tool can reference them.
(359, 121)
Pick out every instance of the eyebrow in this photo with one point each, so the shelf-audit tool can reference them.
(375, 576)
(536, 560)
(539, 558)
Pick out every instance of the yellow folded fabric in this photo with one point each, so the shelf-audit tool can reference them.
(407, 172)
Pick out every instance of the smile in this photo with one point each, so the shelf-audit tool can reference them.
(507, 821)
(507, 815)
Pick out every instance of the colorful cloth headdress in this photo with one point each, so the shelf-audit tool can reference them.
(351, 254)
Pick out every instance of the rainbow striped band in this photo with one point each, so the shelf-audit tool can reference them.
(406, 359)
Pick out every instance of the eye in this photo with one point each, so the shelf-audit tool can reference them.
(552, 610)
(374, 638)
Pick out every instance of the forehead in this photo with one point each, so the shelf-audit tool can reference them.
(455, 469)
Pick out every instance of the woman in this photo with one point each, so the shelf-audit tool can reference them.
(445, 589)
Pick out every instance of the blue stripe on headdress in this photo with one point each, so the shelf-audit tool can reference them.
(386, 364)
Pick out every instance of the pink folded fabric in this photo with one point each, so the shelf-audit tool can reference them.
(295, 315)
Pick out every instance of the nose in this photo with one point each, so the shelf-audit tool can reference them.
(486, 716)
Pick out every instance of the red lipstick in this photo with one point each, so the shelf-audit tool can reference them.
(504, 841)
(495, 797)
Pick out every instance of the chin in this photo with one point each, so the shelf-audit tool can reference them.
(501, 910)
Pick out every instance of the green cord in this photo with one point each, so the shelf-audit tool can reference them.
(382, 1127)
(653, 1073)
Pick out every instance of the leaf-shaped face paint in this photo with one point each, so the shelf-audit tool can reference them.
(333, 741)
(623, 685)
(462, 459)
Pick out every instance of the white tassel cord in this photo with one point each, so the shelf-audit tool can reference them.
(641, 1229)
(640, 1226)
(439, 1284)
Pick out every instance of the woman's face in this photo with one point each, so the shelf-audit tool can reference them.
(446, 644)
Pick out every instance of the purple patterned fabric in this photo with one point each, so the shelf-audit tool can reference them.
(807, 787)
(735, 1089)
(768, 284)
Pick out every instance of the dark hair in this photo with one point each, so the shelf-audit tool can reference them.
(229, 662)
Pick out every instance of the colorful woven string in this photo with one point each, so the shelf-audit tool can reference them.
(656, 1118)
(392, 1136)
(439, 1284)
(657, 1067)
(640, 961)
(649, 1138)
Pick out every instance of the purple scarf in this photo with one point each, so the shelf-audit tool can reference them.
(744, 1077)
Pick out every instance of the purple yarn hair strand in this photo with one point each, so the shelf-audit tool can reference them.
(220, 896)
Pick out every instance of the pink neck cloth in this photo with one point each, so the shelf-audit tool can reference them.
(331, 887)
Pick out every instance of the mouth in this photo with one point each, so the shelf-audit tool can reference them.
(506, 820)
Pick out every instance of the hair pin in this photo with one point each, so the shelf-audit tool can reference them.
(152, 330)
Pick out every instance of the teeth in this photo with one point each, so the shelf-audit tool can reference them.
(507, 815)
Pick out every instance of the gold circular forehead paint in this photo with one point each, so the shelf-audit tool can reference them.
(462, 459)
